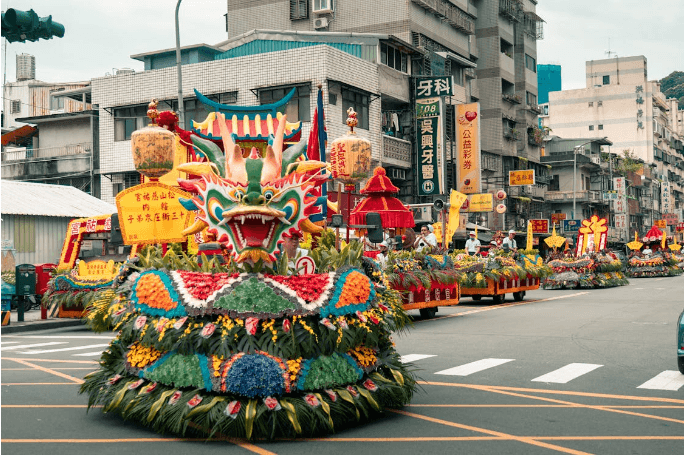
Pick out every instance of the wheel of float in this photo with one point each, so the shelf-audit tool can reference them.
(476, 297)
(519, 295)
(499, 299)
(428, 312)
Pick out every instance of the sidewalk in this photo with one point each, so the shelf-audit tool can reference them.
(32, 322)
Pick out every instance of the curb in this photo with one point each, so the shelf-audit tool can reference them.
(17, 327)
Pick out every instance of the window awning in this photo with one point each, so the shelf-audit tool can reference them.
(462, 60)
(19, 136)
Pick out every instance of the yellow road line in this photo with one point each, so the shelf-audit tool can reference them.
(490, 432)
(239, 442)
(30, 368)
(49, 371)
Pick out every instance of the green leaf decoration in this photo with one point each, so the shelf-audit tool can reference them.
(291, 415)
(327, 371)
(254, 296)
(179, 370)
(158, 403)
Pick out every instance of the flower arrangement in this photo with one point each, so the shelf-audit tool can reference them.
(599, 270)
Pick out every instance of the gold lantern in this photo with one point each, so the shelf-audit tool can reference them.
(153, 147)
(350, 156)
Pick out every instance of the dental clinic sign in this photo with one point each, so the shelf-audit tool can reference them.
(434, 86)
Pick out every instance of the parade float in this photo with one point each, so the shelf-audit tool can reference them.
(591, 265)
(661, 263)
(242, 348)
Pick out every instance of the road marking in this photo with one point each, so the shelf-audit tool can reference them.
(19, 347)
(667, 380)
(475, 366)
(67, 361)
(49, 371)
(37, 352)
(567, 373)
(412, 358)
(89, 354)
(5, 342)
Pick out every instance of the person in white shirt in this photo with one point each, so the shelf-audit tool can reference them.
(293, 251)
(425, 239)
(472, 245)
(647, 251)
(510, 241)
(381, 258)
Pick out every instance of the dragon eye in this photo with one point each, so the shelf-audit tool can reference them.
(268, 194)
(236, 194)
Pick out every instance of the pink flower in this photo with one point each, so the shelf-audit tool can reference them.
(232, 409)
(119, 312)
(175, 397)
(332, 395)
(161, 323)
(353, 391)
(286, 325)
(196, 399)
(140, 322)
(383, 307)
(114, 379)
(179, 324)
(312, 400)
(328, 324)
(272, 403)
(133, 386)
(252, 324)
(343, 323)
(149, 388)
(208, 330)
(361, 316)
(370, 386)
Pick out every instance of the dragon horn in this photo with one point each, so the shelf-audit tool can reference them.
(273, 159)
(196, 227)
(235, 162)
(309, 227)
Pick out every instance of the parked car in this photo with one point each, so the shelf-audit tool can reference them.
(680, 342)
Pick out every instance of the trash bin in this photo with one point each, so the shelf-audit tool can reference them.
(25, 283)
(44, 273)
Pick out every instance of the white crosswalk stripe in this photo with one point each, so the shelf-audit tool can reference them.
(81, 347)
(19, 347)
(667, 380)
(6, 343)
(412, 358)
(475, 366)
(567, 373)
(89, 354)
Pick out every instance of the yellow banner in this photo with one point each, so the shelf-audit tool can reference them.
(481, 202)
(521, 177)
(530, 236)
(150, 213)
(456, 199)
(97, 269)
(468, 138)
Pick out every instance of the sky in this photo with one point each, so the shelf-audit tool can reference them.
(102, 35)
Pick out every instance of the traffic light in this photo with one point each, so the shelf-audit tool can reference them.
(375, 233)
(25, 26)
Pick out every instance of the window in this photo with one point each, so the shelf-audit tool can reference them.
(531, 99)
(15, 106)
(393, 58)
(530, 63)
(24, 234)
(129, 119)
(591, 128)
(360, 102)
(606, 80)
(322, 5)
(554, 184)
(600, 127)
(299, 9)
(591, 103)
(298, 108)
(56, 103)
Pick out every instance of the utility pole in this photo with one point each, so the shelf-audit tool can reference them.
(180, 72)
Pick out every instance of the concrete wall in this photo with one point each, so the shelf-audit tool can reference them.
(48, 235)
(46, 168)
(622, 70)
(64, 132)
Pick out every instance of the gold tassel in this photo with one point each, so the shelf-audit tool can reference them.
(326, 408)
(292, 415)
(158, 403)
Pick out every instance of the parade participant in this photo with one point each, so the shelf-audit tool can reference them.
(292, 249)
(510, 241)
(381, 258)
(647, 250)
(472, 245)
(425, 239)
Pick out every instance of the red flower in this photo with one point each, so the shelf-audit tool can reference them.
(373, 319)
(175, 397)
(369, 385)
(196, 399)
(179, 324)
(332, 395)
(286, 325)
(252, 324)
(133, 386)
(140, 322)
(232, 409)
(272, 403)
(352, 391)
(312, 400)
(208, 330)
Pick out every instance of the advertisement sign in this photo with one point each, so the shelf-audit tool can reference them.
(521, 177)
(666, 197)
(481, 202)
(671, 218)
(151, 213)
(434, 86)
(428, 150)
(620, 187)
(557, 218)
(660, 224)
(97, 269)
(468, 141)
(680, 227)
(571, 225)
(540, 226)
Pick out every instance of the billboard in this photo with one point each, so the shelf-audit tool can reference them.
(468, 141)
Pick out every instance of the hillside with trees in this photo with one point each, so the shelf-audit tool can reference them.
(672, 86)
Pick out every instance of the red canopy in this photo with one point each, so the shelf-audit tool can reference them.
(392, 211)
(654, 234)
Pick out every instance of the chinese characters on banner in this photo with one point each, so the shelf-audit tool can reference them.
(74, 236)
(521, 177)
(540, 226)
(430, 146)
(621, 216)
(556, 218)
(434, 86)
(468, 139)
(151, 213)
(666, 198)
(671, 218)
(620, 222)
(480, 202)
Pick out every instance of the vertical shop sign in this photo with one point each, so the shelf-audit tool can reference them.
(468, 138)
(428, 113)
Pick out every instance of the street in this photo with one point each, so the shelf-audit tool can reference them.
(563, 372)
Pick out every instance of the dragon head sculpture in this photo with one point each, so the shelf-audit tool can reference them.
(259, 200)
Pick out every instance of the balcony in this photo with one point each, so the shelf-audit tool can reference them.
(533, 108)
(511, 98)
(24, 154)
(583, 196)
(396, 152)
(511, 134)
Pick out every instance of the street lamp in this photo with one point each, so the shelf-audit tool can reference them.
(574, 173)
(180, 73)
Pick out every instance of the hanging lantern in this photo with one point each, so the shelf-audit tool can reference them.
(500, 208)
(501, 195)
(350, 156)
(153, 147)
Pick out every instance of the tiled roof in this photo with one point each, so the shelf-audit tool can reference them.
(29, 198)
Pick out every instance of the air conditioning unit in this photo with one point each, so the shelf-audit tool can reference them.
(398, 174)
(596, 159)
(323, 7)
(321, 23)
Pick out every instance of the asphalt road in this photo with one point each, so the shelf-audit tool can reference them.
(563, 372)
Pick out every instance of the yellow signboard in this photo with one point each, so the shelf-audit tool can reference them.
(481, 202)
(661, 223)
(151, 213)
(468, 139)
(97, 269)
(521, 177)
